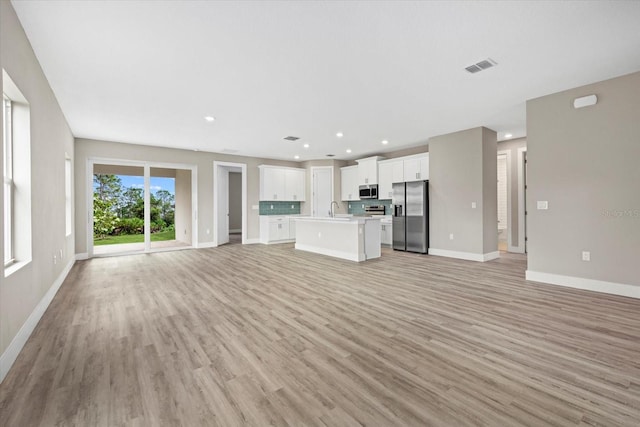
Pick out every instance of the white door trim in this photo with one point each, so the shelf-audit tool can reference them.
(521, 205)
(91, 161)
(507, 154)
(243, 167)
(313, 169)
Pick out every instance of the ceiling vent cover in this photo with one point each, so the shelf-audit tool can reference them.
(291, 138)
(330, 155)
(482, 65)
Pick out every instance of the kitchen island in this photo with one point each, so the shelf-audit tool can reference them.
(351, 238)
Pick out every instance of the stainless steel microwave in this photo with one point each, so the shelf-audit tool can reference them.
(369, 191)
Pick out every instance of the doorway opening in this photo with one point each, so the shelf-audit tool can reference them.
(230, 203)
(322, 190)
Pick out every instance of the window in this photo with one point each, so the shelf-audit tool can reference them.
(67, 194)
(16, 171)
(7, 172)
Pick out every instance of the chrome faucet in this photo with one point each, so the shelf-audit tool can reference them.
(333, 215)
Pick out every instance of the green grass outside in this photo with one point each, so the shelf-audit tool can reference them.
(135, 238)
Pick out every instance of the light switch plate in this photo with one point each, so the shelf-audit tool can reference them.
(473, 205)
(586, 256)
(543, 205)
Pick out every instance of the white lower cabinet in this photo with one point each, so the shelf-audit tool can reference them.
(386, 233)
(277, 229)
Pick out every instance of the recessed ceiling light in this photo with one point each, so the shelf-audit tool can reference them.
(385, 142)
(348, 150)
(209, 118)
(296, 157)
(507, 135)
(339, 134)
(306, 145)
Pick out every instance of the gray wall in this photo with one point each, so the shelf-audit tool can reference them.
(51, 138)
(86, 149)
(183, 210)
(585, 164)
(235, 201)
(462, 170)
(512, 147)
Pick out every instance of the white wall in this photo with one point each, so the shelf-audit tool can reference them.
(25, 293)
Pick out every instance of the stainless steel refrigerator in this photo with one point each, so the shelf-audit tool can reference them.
(410, 210)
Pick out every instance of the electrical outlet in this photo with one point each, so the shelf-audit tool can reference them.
(542, 205)
(473, 205)
(451, 236)
(363, 206)
(55, 259)
(271, 206)
(586, 256)
(292, 207)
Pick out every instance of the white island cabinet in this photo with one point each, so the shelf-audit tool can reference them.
(351, 238)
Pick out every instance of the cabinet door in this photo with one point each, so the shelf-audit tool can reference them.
(386, 234)
(292, 229)
(368, 172)
(385, 175)
(416, 169)
(349, 183)
(294, 185)
(273, 184)
(412, 170)
(397, 172)
(424, 168)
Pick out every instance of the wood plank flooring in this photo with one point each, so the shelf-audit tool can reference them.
(264, 335)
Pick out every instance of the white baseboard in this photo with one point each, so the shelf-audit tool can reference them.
(515, 249)
(277, 242)
(206, 245)
(586, 284)
(251, 241)
(10, 355)
(465, 255)
(82, 256)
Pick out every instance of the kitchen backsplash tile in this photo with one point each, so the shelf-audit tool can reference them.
(356, 207)
(279, 208)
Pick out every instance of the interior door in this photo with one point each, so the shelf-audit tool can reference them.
(322, 194)
(223, 205)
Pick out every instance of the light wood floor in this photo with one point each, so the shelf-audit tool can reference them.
(264, 335)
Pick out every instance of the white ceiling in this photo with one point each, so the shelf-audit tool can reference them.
(147, 72)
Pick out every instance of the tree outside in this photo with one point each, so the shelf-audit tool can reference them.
(118, 212)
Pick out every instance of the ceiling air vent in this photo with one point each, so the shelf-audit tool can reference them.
(291, 138)
(482, 65)
(330, 155)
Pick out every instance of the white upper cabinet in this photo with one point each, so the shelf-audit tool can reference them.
(368, 170)
(294, 180)
(416, 168)
(349, 183)
(389, 171)
(282, 184)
